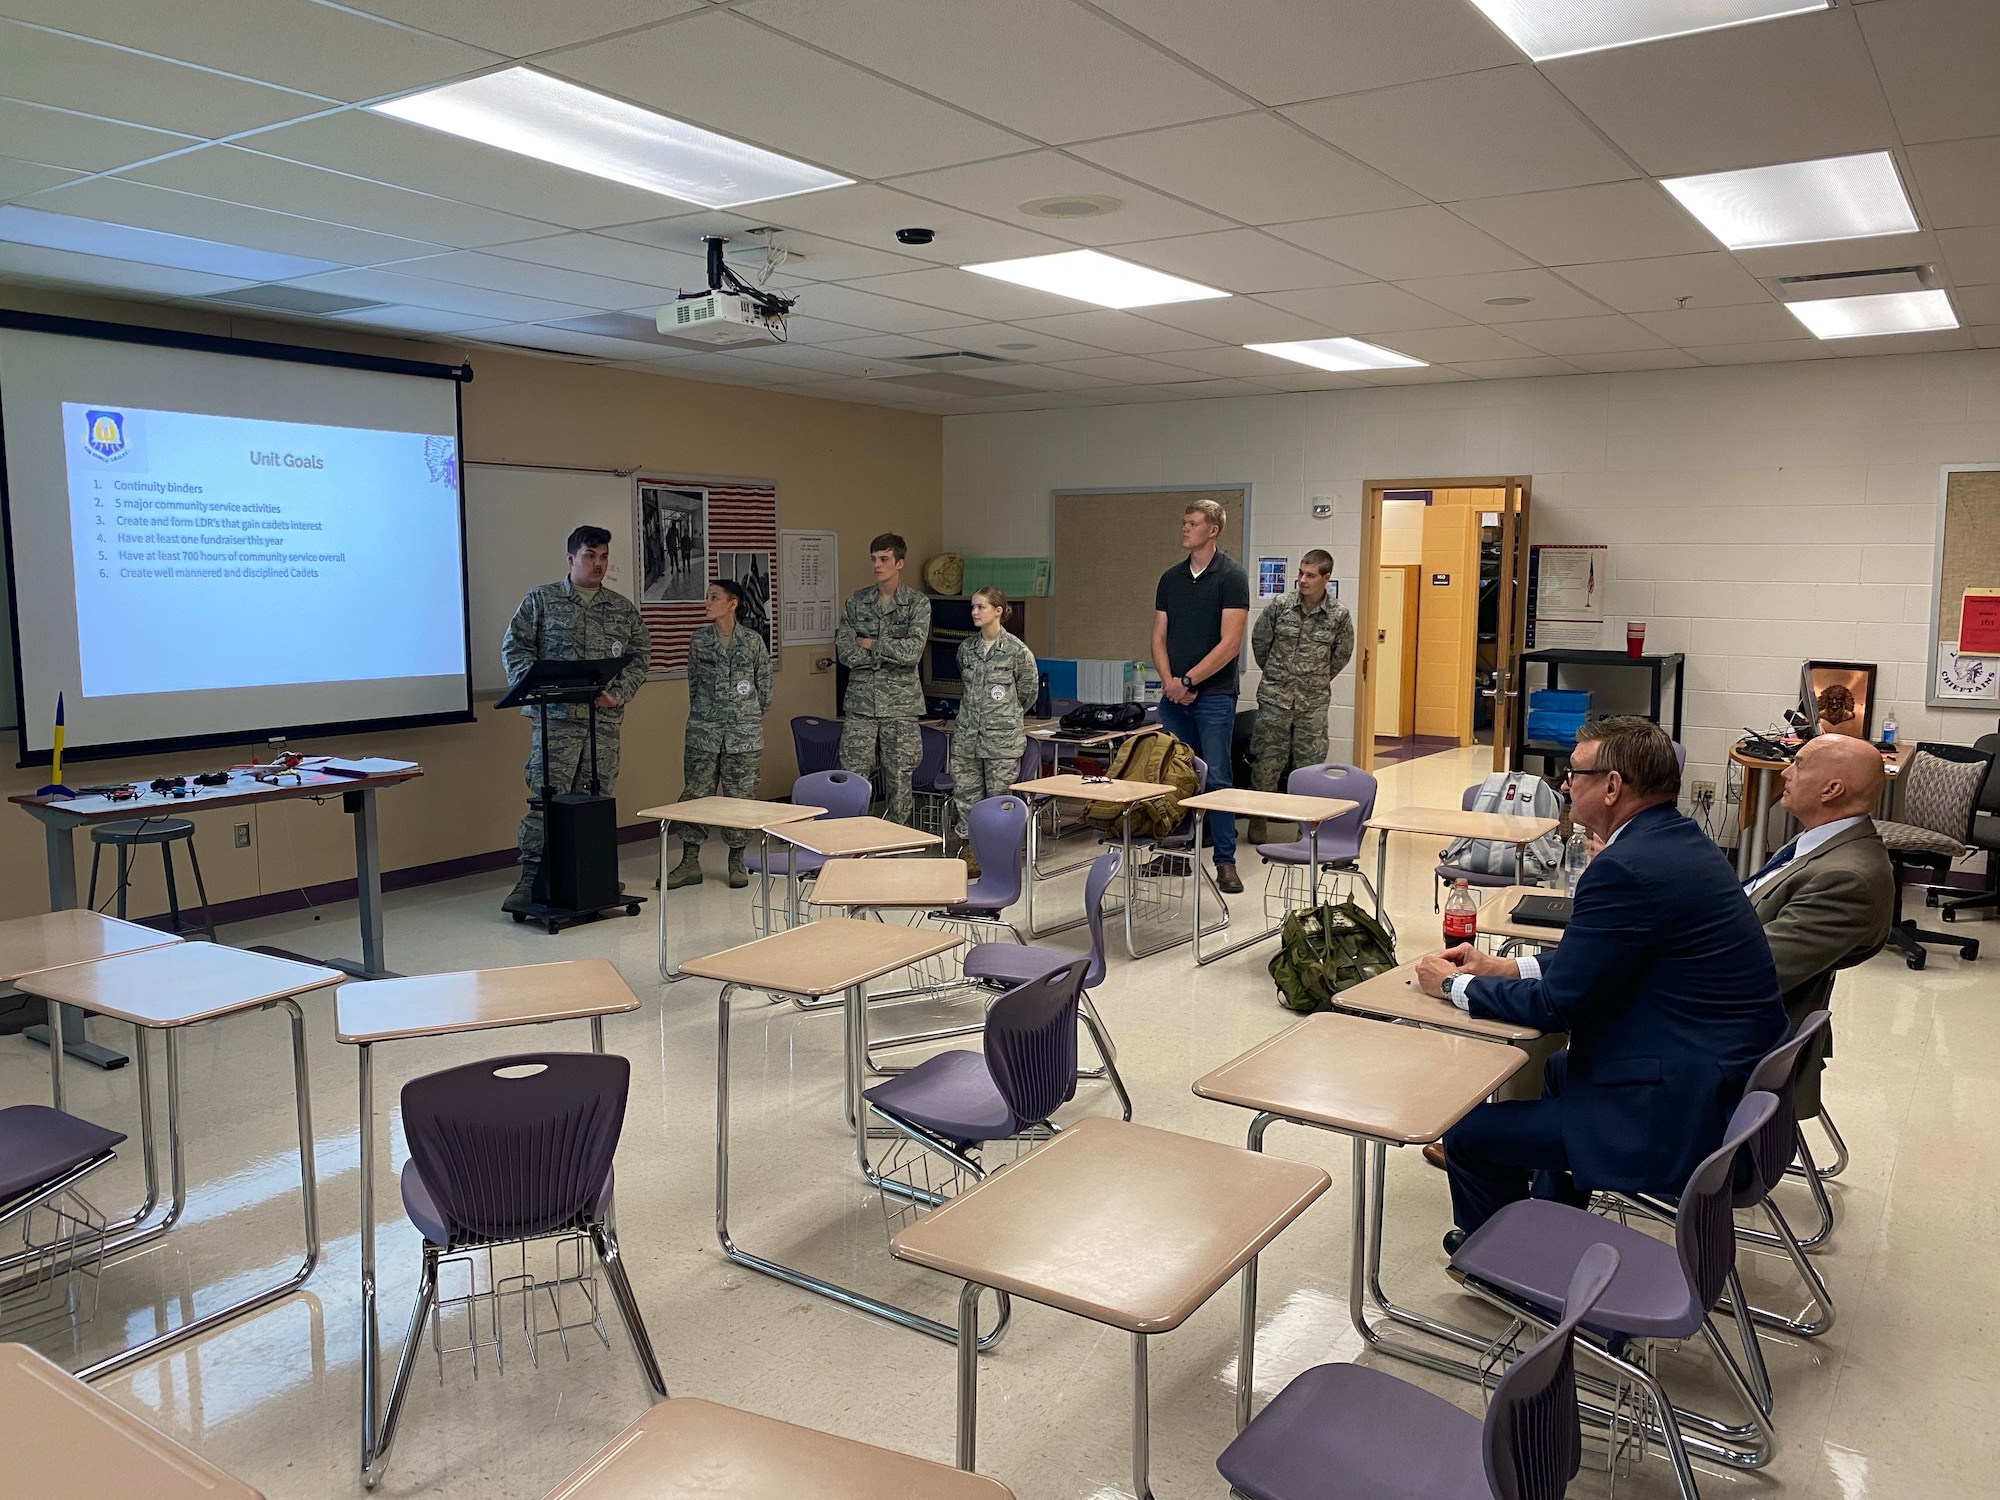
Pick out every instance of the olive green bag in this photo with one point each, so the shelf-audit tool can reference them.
(1327, 949)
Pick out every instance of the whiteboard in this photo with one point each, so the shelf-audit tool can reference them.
(516, 521)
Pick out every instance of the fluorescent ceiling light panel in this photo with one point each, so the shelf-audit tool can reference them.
(31, 226)
(532, 114)
(1340, 354)
(1886, 312)
(1562, 28)
(1101, 279)
(1800, 202)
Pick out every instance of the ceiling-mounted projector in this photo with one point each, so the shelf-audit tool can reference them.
(722, 320)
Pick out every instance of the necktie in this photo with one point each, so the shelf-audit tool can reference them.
(1776, 862)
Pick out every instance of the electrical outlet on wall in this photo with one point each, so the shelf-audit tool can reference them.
(1703, 792)
(243, 835)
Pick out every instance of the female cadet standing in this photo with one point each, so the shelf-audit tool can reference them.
(729, 692)
(997, 673)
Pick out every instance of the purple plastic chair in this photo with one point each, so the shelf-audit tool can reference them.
(844, 794)
(1523, 1256)
(997, 829)
(43, 1153)
(1339, 837)
(816, 743)
(930, 783)
(513, 1149)
(1354, 1430)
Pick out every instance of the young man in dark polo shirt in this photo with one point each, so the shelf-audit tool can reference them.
(1200, 611)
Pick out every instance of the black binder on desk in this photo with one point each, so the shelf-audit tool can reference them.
(1543, 911)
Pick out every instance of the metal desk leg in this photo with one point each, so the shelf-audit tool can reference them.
(1200, 958)
(367, 880)
(1381, 868)
(371, 1332)
(58, 1044)
(59, 843)
(1246, 1356)
(764, 875)
(667, 975)
(968, 1376)
(1142, 1423)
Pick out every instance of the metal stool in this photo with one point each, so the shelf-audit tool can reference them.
(126, 836)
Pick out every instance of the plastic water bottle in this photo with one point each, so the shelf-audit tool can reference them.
(1461, 914)
(1889, 730)
(1576, 854)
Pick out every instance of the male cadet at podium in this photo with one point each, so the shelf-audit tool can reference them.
(574, 619)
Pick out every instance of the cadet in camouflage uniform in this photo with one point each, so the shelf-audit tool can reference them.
(1302, 640)
(998, 673)
(574, 619)
(883, 633)
(729, 692)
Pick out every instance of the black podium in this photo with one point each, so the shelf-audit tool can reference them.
(578, 879)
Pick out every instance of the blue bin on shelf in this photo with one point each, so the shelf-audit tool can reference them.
(1555, 715)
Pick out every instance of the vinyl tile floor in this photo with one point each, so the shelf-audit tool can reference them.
(1898, 1400)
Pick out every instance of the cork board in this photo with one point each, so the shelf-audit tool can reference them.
(1111, 546)
(1968, 557)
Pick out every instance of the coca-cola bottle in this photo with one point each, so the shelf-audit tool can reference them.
(1461, 914)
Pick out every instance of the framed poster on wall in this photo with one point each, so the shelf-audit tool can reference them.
(692, 529)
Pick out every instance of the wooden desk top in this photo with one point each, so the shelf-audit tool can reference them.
(1119, 1223)
(1891, 762)
(1280, 806)
(731, 812)
(180, 985)
(1451, 823)
(1390, 1083)
(823, 957)
(1076, 789)
(891, 882)
(689, 1449)
(67, 1442)
(1395, 995)
(1496, 916)
(387, 1010)
(77, 936)
(238, 791)
(836, 836)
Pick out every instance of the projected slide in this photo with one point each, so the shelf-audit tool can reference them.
(228, 552)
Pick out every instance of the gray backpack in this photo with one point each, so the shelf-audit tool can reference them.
(1522, 795)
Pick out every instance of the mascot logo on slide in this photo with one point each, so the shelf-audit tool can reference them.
(104, 434)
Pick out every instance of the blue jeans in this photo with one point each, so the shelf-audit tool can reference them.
(1208, 727)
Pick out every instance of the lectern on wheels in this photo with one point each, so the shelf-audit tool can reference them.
(578, 880)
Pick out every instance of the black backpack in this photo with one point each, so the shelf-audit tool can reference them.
(1091, 718)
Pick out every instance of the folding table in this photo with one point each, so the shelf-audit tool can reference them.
(1125, 1225)
(1125, 795)
(1451, 823)
(389, 1010)
(1279, 807)
(1384, 1086)
(723, 812)
(164, 989)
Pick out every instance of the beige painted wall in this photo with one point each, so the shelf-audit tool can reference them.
(856, 469)
(1402, 532)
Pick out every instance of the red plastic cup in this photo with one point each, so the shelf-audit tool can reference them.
(1635, 638)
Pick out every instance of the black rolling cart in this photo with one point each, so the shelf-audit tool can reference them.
(1552, 753)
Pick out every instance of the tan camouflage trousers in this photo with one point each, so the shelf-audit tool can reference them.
(1283, 741)
(704, 773)
(900, 747)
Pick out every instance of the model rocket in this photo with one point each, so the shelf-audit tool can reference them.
(56, 787)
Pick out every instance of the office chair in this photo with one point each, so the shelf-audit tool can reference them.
(1941, 791)
(1985, 835)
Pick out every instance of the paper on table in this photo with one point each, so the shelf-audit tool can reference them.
(365, 765)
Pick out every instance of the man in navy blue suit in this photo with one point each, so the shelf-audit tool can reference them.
(1663, 981)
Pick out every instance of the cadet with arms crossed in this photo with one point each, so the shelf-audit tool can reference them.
(883, 633)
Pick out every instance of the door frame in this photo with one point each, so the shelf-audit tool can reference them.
(1372, 490)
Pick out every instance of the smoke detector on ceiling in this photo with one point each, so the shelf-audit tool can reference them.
(1072, 206)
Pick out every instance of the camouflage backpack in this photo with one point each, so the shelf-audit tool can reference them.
(1327, 949)
(1154, 756)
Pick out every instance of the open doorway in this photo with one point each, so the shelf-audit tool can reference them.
(1440, 616)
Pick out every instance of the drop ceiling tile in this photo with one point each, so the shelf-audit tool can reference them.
(1977, 305)
(317, 49)
(718, 70)
(20, 178)
(1634, 359)
(1515, 369)
(1404, 242)
(1240, 260)
(1305, 380)
(1550, 296)
(1245, 320)
(1687, 327)
(65, 139)
(1121, 332)
(890, 346)
(808, 357)
(123, 202)
(1130, 369)
(1458, 345)
(414, 320)
(1935, 60)
(1281, 50)
(562, 341)
(869, 215)
(1935, 342)
(72, 73)
(815, 257)
(802, 329)
(979, 297)
(734, 371)
(1047, 377)
(600, 255)
(34, 263)
(518, 28)
(1958, 181)
(1254, 168)
(420, 291)
(993, 338)
(1373, 308)
(996, 189)
(875, 313)
(1776, 351)
(1659, 283)
(1787, 90)
(1569, 337)
(1047, 68)
(1224, 359)
(1612, 221)
(527, 279)
(1476, 136)
(1973, 255)
(237, 176)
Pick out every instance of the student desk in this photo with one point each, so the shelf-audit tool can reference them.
(1279, 807)
(1450, 823)
(1384, 1086)
(1496, 918)
(164, 989)
(688, 1449)
(391, 1010)
(1394, 996)
(66, 1442)
(723, 812)
(71, 936)
(1126, 1225)
(849, 838)
(1124, 795)
(897, 884)
(833, 956)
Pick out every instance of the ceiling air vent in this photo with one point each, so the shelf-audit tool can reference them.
(953, 359)
(293, 299)
(1852, 283)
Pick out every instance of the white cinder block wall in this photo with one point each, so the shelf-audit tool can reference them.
(1756, 515)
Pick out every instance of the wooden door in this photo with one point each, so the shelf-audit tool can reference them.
(1396, 597)
(1513, 625)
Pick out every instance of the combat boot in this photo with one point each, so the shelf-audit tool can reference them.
(688, 871)
(739, 873)
(523, 895)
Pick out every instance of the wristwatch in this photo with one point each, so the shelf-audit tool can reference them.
(1187, 682)
(1455, 988)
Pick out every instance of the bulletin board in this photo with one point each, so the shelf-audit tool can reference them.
(1968, 559)
(733, 525)
(1110, 548)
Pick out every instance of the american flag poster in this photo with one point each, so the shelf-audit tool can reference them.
(740, 541)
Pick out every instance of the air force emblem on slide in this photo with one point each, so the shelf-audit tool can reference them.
(104, 434)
